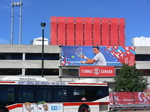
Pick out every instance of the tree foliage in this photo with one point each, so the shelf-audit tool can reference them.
(130, 80)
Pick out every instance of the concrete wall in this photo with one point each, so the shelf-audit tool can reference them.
(143, 64)
(29, 64)
(29, 49)
(142, 50)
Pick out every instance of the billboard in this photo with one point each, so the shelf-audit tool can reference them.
(97, 71)
(107, 56)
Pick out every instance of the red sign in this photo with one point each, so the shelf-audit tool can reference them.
(97, 71)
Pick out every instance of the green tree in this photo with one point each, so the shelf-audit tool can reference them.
(130, 80)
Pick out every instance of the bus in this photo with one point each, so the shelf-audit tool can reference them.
(34, 94)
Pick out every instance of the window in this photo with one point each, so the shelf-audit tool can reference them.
(25, 93)
(79, 93)
(97, 92)
(142, 57)
(25, 96)
(7, 95)
(70, 72)
(10, 71)
(89, 93)
(39, 71)
(60, 94)
(38, 56)
(43, 95)
(10, 56)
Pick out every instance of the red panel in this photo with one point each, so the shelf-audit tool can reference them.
(87, 31)
(125, 96)
(61, 31)
(79, 31)
(96, 32)
(122, 98)
(121, 32)
(114, 32)
(53, 28)
(70, 31)
(97, 71)
(105, 32)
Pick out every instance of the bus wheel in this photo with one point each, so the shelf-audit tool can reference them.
(84, 109)
(2, 110)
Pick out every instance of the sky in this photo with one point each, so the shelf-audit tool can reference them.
(135, 12)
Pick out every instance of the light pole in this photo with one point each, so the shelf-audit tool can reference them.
(12, 23)
(43, 25)
(16, 4)
(20, 32)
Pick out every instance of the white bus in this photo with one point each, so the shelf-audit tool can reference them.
(29, 94)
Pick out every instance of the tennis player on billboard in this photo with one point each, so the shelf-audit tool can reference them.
(98, 60)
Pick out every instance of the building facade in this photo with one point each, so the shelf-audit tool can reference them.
(25, 60)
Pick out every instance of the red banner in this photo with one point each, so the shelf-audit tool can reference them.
(97, 71)
(119, 98)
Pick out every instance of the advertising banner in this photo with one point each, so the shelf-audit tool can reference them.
(121, 98)
(99, 56)
(97, 71)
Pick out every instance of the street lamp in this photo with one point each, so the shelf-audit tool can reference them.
(43, 25)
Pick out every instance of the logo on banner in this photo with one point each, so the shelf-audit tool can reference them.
(96, 71)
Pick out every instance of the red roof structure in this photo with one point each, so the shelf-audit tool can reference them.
(87, 31)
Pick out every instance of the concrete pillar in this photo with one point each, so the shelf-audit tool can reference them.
(23, 71)
(23, 56)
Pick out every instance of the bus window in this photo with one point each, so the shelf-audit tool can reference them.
(7, 95)
(79, 93)
(60, 94)
(97, 92)
(25, 96)
(43, 95)
(103, 92)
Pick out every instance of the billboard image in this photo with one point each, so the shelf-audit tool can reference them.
(102, 56)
